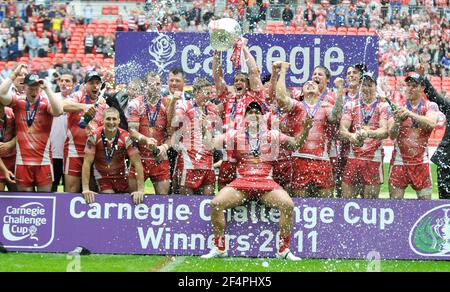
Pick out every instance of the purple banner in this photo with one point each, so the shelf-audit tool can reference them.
(140, 52)
(180, 225)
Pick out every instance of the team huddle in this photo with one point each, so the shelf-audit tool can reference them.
(274, 143)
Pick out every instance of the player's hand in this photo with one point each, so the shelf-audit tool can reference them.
(356, 140)
(401, 114)
(89, 196)
(362, 135)
(177, 95)
(138, 197)
(339, 83)
(19, 68)
(9, 176)
(44, 84)
(244, 41)
(90, 110)
(149, 142)
(162, 152)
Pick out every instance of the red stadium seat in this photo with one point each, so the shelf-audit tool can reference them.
(352, 31)
(342, 30)
(363, 31)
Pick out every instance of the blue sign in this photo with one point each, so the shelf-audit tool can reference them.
(137, 53)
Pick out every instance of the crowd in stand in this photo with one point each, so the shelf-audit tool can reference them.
(408, 35)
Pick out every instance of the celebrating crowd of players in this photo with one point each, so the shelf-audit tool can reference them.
(274, 143)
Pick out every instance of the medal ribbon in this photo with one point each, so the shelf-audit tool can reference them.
(31, 115)
(367, 116)
(152, 117)
(109, 152)
(313, 113)
(417, 111)
(254, 150)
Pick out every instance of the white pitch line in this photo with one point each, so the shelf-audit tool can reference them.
(173, 264)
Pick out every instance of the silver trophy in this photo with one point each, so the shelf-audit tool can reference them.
(223, 33)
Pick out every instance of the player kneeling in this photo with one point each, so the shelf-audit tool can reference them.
(254, 151)
(107, 149)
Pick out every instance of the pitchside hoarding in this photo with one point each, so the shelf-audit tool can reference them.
(180, 225)
(140, 52)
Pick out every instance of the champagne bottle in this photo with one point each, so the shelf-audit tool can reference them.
(391, 104)
(85, 119)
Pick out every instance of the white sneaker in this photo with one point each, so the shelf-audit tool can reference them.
(287, 255)
(215, 253)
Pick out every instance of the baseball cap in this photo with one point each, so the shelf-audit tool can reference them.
(253, 105)
(91, 75)
(415, 77)
(361, 67)
(367, 76)
(31, 79)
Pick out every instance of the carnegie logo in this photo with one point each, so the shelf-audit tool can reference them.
(430, 235)
(28, 222)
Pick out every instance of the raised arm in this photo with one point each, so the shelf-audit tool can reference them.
(217, 69)
(5, 96)
(253, 70)
(282, 96)
(70, 106)
(171, 115)
(336, 113)
(56, 105)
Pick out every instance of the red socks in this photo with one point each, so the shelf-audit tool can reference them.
(285, 241)
(219, 242)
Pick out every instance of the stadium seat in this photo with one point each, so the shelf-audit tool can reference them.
(342, 30)
(290, 30)
(331, 30)
(310, 30)
(106, 10)
(352, 31)
(363, 31)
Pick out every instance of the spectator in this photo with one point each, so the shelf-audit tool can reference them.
(13, 50)
(309, 15)
(64, 42)
(42, 73)
(299, 22)
(351, 16)
(57, 23)
(99, 42)
(331, 17)
(88, 43)
(141, 21)
(195, 14)
(21, 43)
(44, 43)
(108, 48)
(445, 62)
(87, 13)
(340, 15)
(4, 52)
(33, 45)
(120, 25)
(287, 15)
